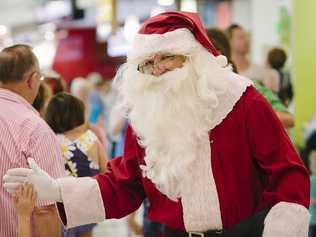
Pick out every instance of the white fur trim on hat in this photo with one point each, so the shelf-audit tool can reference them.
(180, 41)
(286, 219)
(222, 60)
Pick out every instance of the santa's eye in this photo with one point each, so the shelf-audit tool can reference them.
(149, 62)
(166, 57)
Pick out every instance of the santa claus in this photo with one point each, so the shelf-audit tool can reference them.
(203, 146)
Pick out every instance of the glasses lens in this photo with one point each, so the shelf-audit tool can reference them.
(146, 67)
(164, 61)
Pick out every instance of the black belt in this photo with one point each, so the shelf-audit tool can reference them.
(206, 234)
(251, 227)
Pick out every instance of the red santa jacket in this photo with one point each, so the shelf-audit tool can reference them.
(254, 165)
(253, 160)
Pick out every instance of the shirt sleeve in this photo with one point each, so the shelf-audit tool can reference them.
(285, 179)
(285, 174)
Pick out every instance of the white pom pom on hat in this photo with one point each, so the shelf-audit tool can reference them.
(221, 60)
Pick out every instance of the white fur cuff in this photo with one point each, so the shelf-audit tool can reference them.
(286, 219)
(82, 201)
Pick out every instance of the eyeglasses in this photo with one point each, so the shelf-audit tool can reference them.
(42, 78)
(39, 76)
(164, 62)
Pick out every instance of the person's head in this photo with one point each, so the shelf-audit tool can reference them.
(64, 113)
(239, 39)
(221, 43)
(81, 88)
(54, 81)
(276, 58)
(19, 71)
(171, 85)
(43, 96)
(100, 84)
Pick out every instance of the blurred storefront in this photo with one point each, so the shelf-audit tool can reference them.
(76, 37)
(109, 16)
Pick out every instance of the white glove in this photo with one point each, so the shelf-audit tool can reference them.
(46, 187)
(14, 178)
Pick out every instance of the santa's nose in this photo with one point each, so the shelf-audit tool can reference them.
(157, 71)
(158, 68)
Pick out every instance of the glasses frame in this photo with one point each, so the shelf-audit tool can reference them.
(42, 77)
(142, 66)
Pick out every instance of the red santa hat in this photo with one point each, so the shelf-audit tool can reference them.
(171, 32)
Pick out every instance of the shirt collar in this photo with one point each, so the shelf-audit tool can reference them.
(12, 96)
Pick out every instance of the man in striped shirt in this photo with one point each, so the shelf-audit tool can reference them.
(24, 134)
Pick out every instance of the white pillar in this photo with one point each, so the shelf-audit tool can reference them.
(241, 13)
(263, 29)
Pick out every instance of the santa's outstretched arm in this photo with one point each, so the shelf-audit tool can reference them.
(286, 180)
(88, 200)
(110, 195)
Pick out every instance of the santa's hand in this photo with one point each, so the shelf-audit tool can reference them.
(46, 187)
(14, 178)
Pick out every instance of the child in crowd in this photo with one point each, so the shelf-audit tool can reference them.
(24, 203)
(82, 151)
(276, 59)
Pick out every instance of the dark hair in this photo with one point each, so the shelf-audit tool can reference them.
(221, 42)
(15, 62)
(277, 58)
(56, 84)
(40, 98)
(230, 30)
(43, 95)
(65, 112)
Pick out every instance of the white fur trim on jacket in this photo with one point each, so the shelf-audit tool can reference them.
(286, 219)
(82, 201)
(180, 41)
(237, 86)
(200, 203)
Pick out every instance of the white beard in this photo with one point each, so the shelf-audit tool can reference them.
(172, 115)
